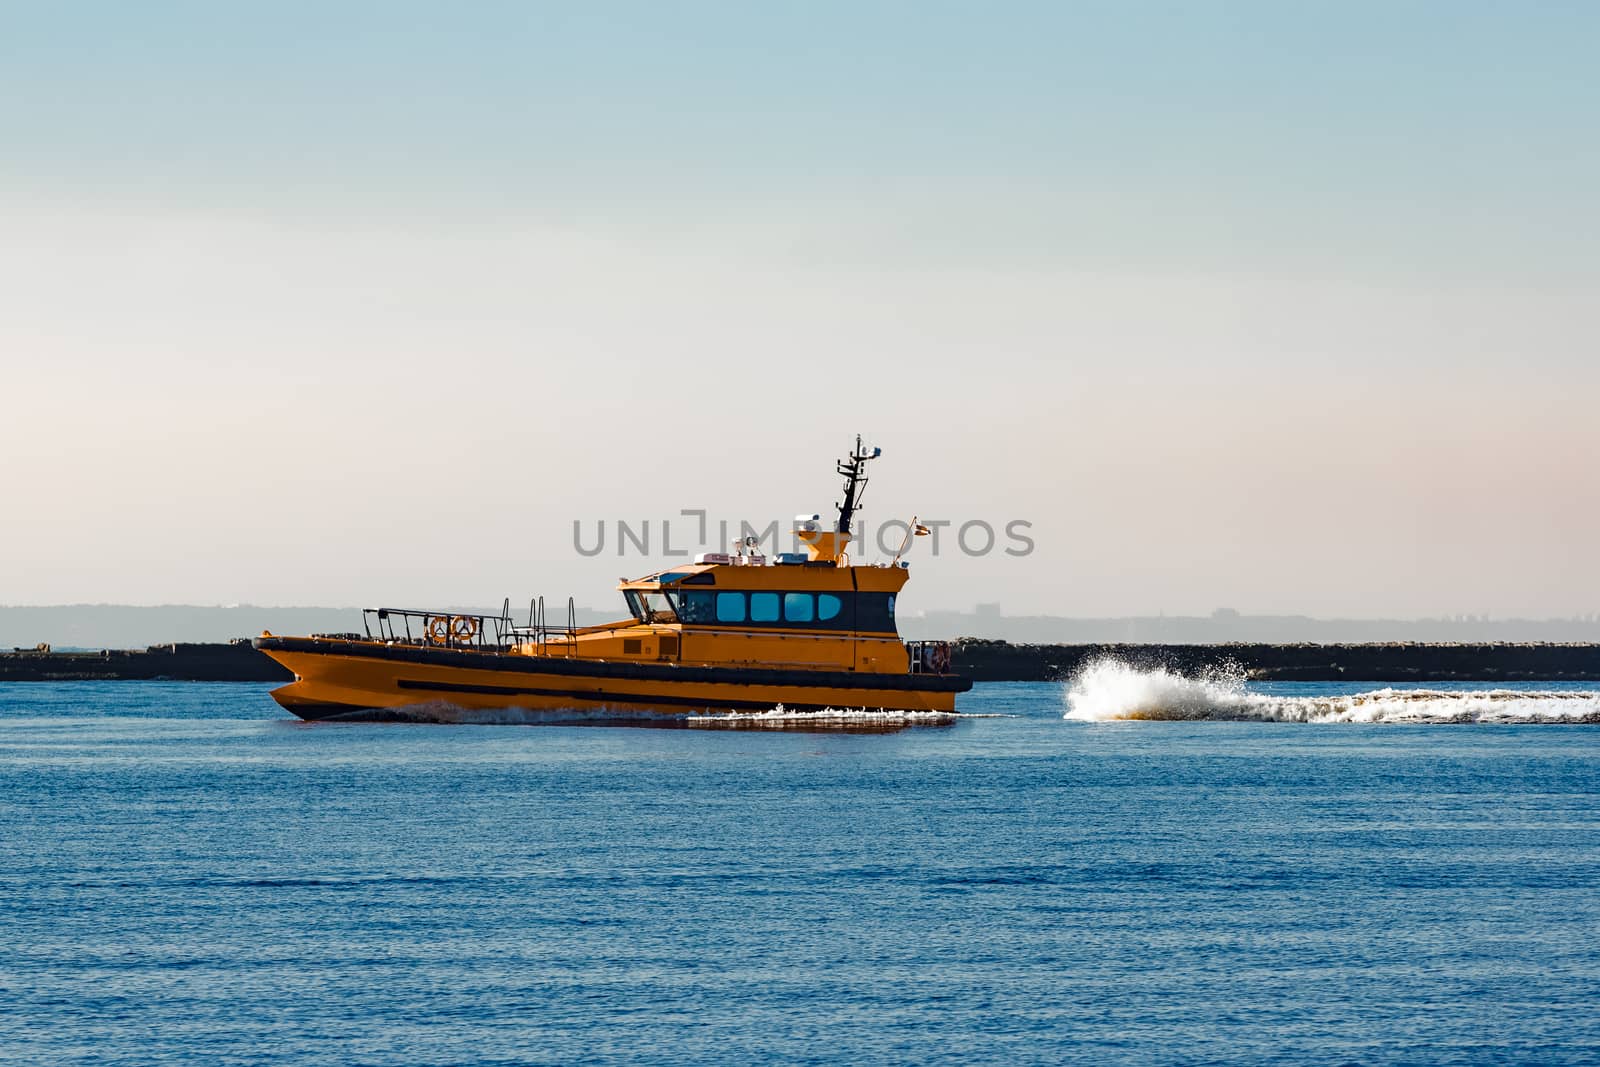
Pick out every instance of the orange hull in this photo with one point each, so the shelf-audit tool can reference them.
(338, 677)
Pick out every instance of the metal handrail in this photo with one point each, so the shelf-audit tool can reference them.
(539, 631)
(436, 628)
(439, 628)
(929, 657)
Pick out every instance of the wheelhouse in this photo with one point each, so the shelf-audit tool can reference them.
(793, 609)
(733, 596)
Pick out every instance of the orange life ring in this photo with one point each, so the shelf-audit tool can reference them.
(438, 629)
(463, 627)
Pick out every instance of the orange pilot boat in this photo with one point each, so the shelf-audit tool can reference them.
(735, 632)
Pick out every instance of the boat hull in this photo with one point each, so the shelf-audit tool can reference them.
(343, 679)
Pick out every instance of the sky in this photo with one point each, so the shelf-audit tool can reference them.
(1272, 307)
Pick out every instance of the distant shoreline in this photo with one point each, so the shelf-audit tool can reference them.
(97, 626)
(981, 660)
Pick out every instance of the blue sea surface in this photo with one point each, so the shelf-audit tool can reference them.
(189, 876)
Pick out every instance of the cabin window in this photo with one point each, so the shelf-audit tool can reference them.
(634, 605)
(686, 578)
(797, 607)
(650, 607)
(764, 607)
(695, 605)
(730, 607)
(875, 612)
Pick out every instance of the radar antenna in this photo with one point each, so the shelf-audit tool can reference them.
(854, 470)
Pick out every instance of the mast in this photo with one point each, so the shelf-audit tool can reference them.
(854, 470)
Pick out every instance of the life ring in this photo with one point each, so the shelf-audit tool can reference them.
(463, 628)
(439, 629)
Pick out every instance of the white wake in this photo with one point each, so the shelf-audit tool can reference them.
(776, 718)
(837, 718)
(1109, 689)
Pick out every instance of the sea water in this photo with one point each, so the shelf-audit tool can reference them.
(1283, 873)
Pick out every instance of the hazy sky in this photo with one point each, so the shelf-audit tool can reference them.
(1276, 306)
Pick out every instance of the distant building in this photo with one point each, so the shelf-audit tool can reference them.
(986, 611)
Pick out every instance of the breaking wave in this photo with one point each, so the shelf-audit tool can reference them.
(777, 718)
(1109, 689)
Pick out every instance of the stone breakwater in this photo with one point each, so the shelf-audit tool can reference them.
(235, 661)
(981, 660)
(1397, 661)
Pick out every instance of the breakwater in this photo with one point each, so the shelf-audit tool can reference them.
(984, 661)
(1396, 661)
(234, 661)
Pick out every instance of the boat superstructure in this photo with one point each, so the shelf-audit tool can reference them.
(735, 631)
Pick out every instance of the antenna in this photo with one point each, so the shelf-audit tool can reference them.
(854, 470)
